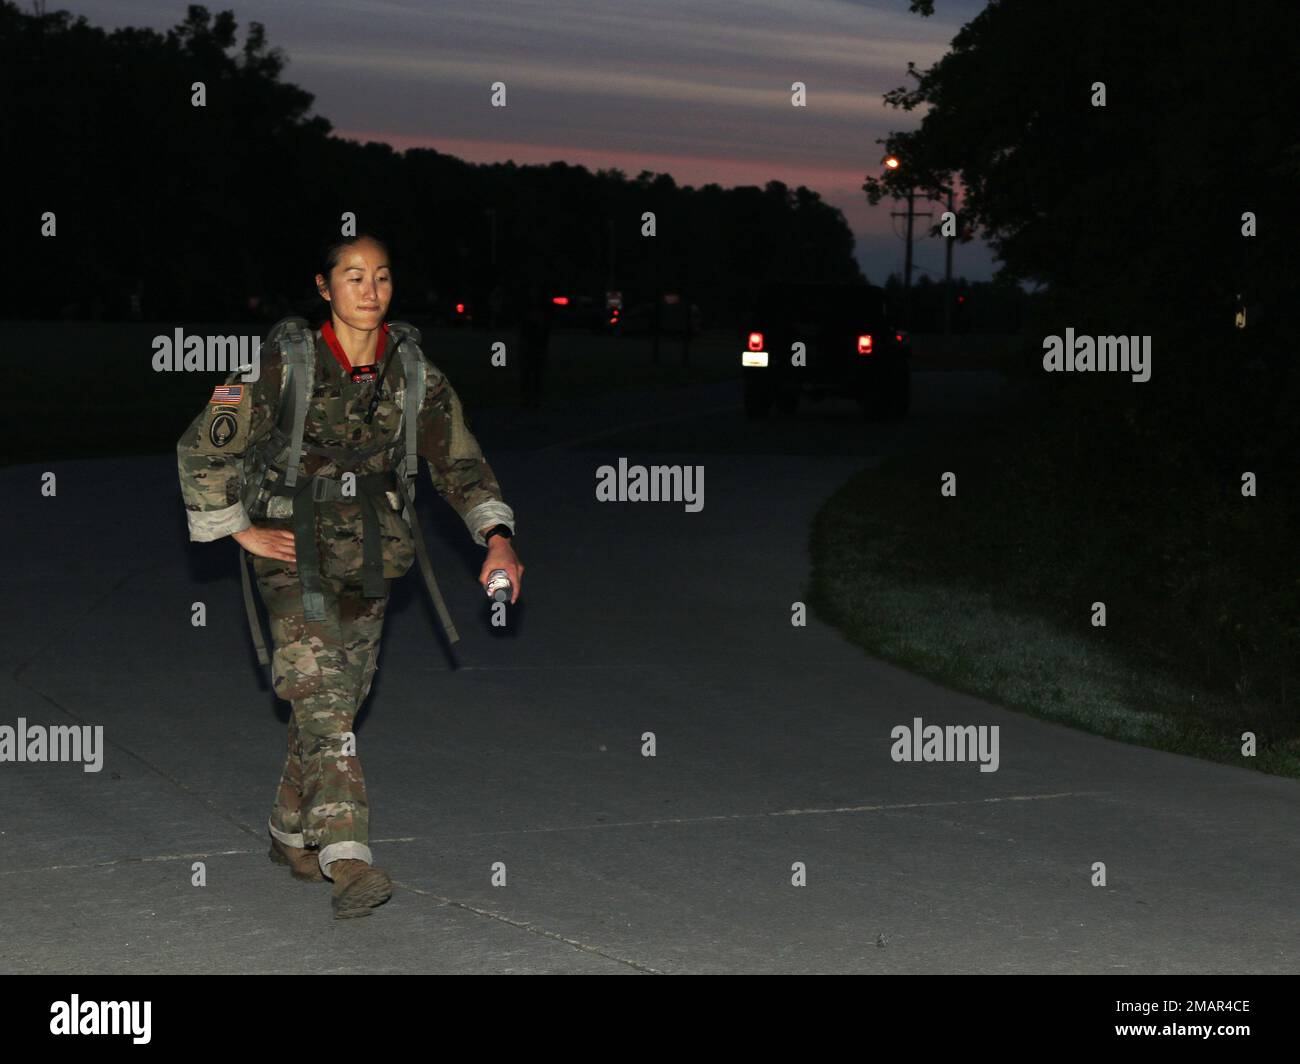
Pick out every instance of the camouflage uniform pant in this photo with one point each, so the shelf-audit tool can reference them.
(325, 670)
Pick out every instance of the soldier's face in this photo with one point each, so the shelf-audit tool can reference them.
(360, 287)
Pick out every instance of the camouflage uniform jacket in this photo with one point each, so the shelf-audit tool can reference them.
(210, 453)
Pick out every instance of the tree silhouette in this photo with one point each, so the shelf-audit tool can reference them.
(202, 207)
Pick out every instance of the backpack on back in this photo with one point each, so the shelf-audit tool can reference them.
(271, 468)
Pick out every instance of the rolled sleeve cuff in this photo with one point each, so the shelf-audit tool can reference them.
(487, 514)
(208, 525)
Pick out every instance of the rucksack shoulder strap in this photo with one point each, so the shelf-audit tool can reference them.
(298, 358)
(415, 369)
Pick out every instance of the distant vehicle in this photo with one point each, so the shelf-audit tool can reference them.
(672, 317)
(850, 350)
(578, 311)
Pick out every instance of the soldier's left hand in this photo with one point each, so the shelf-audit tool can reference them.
(501, 555)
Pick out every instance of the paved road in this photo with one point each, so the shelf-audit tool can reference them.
(524, 747)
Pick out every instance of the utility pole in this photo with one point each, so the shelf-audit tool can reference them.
(947, 273)
(911, 214)
(907, 261)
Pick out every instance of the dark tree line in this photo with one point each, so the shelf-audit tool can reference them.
(998, 306)
(177, 210)
(1132, 216)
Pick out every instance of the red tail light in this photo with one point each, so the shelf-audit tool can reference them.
(864, 344)
(756, 341)
(560, 301)
(460, 308)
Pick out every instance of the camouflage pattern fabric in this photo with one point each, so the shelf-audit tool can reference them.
(210, 453)
(325, 671)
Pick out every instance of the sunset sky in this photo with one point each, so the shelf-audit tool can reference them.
(699, 89)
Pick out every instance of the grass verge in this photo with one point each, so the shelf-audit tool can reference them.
(990, 592)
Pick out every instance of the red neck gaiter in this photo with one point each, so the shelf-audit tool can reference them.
(327, 331)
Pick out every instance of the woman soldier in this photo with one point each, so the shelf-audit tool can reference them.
(314, 550)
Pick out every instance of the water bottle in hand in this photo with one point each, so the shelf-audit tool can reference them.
(499, 588)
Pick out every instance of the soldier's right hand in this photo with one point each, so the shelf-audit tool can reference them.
(267, 542)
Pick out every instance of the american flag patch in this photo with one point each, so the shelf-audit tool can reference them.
(227, 394)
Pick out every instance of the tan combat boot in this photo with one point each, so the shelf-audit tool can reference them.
(358, 888)
(302, 863)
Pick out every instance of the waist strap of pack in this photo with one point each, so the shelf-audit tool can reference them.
(305, 546)
(306, 493)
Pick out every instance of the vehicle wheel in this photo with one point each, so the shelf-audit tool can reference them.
(871, 405)
(758, 403)
(903, 393)
(787, 402)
